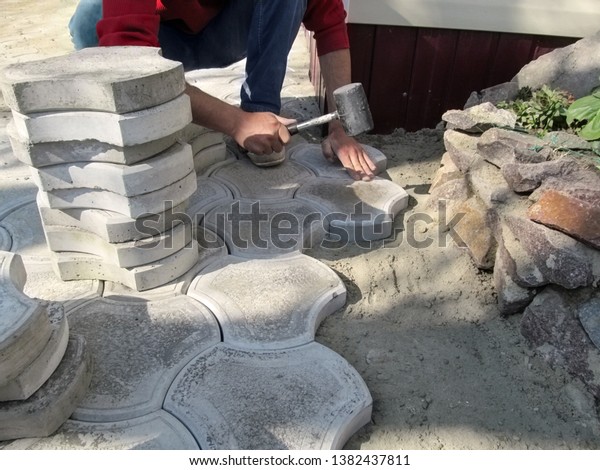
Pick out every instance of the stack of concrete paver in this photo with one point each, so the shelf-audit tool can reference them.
(101, 129)
(44, 375)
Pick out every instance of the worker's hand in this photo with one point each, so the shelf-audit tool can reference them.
(339, 146)
(262, 133)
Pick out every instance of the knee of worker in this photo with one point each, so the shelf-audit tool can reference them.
(83, 23)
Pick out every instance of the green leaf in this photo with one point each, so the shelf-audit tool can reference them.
(591, 131)
(583, 109)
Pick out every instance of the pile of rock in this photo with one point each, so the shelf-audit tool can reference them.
(102, 131)
(44, 375)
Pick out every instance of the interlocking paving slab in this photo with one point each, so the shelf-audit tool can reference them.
(127, 180)
(115, 79)
(25, 229)
(48, 408)
(246, 180)
(117, 129)
(138, 349)
(209, 193)
(155, 431)
(208, 157)
(54, 153)
(123, 255)
(280, 308)
(76, 266)
(133, 206)
(306, 397)
(311, 156)
(24, 324)
(259, 229)
(200, 137)
(356, 210)
(42, 367)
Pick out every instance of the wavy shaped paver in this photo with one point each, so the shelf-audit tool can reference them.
(155, 431)
(300, 398)
(139, 348)
(272, 303)
(26, 232)
(210, 193)
(116, 79)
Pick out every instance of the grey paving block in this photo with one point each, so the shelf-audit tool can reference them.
(5, 240)
(123, 255)
(25, 229)
(112, 226)
(24, 324)
(127, 180)
(155, 431)
(262, 229)
(42, 367)
(9, 164)
(209, 194)
(208, 157)
(115, 79)
(311, 156)
(200, 137)
(301, 398)
(133, 207)
(246, 180)
(76, 266)
(48, 408)
(134, 128)
(138, 349)
(358, 210)
(54, 153)
(280, 308)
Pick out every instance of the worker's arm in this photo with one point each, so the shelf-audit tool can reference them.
(335, 67)
(261, 133)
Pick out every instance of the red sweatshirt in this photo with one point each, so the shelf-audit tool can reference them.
(136, 22)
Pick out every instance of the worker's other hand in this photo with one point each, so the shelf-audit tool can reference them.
(339, 146)
(262, 133)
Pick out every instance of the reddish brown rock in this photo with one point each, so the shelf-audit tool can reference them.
(448, 171)
(573, 216)
(475, 233)
(581, 183)
(501, 146)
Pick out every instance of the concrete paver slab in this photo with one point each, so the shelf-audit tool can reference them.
(209, 193)
(114, 79)
(301, 398)
(280, 308)
(138, 349)
(25, 229)
(48, 408)
(208, 157)
(155, 431)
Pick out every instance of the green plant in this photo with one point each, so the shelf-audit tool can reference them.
(584, 115)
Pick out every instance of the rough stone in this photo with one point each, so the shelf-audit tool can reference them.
(475, 233)
(477, 119)
(589, 316)
(24, 324)
(500, 146)
(76, 266)
(583, 183)
(565, 140)
(448, 171)
(281, 308)
(569, 215)
(155, 431)
(127, 180)
(462, 149)
(48, 408)
(42, 367)
(138, 349)
(525, 177)
(306, 397)
(503, 92)
(356, 211)
(122, 130)
(488, 183)
(115, 79)
(134, 207)
(448, 197)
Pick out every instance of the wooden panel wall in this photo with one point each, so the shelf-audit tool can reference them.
(413, 75)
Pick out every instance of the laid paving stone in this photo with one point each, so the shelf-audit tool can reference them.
(48, 408)
(209, 193)
(281, 308)
(115, 79)
(123, 255)
(462, 149)
(306, 397)
(155, 431)
(55, 153)
(246, 180)
(501, 146)
(133, 206)
(41, 368)
(208, 157)
(477, 119)
(25, 229)
(76, 266)
(127, 180)
(138, 349)
(112, 226)
(24, 324)
(357, 210)
(134, 128)
(311, 157)
(5, 240)
(259, 229)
